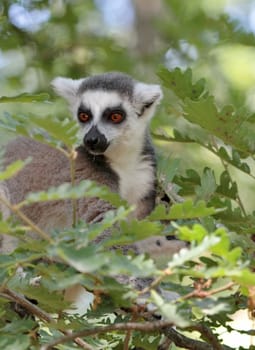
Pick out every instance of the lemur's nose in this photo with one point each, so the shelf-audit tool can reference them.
(94, 141)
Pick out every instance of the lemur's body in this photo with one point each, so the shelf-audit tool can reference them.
(114, 112)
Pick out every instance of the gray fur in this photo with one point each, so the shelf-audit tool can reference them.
(114, 81)
(50, 168)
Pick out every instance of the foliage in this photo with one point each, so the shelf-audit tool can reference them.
(199, 287)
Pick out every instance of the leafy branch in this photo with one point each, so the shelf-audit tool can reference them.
(38, 312)
(15, 209)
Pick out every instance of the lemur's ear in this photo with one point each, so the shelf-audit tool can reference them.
(66, 87)
(147, 96)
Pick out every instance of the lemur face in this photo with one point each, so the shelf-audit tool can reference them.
(112, 109)
(104, 118)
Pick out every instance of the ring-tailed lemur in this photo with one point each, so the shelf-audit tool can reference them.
(113, 111)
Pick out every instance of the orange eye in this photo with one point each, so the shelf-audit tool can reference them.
(116, 118)
(83, 117)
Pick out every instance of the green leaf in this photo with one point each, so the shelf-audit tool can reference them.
(208, 185)
(86, 188)
(138, 266)
(130, 231)
(13, 169)
(195, 234)
(86, 259)
(168, 310)
(186, 255)
(167, 168)
(110, 218)
(209, 307)
(234, 219)
(25, 97)
(227, 124)
(185, 210)
(227, 187)
(15, 341)
(233, 159)
(18, 326)
(181, 83)
(61, 131)
(12, 229)
(245, 278)
(200, 136)
(47, 129)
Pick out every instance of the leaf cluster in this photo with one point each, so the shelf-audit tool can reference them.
(196, 284)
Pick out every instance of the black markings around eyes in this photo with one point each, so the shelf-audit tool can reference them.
(106, 116)
(108, 112)
(83, 109)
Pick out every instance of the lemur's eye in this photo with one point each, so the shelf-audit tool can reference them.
(116, 118)
(83, 117)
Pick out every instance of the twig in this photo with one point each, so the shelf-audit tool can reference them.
(129, 332)
(168, 138)
(165, 344)
(24, 218)
(199, 293)
(126, 340)
(128, 326)
(157, 281)
(72, 158)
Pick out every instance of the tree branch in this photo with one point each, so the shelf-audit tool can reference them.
(38, 312)
(26, 304)
(128, 326)
(208, 335)
(192, 344)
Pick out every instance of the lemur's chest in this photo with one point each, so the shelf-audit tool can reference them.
(136, 180)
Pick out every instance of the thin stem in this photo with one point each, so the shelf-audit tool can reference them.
(72, 158)
(215, 152)
(128, 335)
(157, 281)
(126, 340)
(197, 293)
(25, 219)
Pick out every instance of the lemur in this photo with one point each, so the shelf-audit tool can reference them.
(114, 112)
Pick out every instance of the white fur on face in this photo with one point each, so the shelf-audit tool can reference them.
(126, 140)
(146, 93)
(66, 88)
(97, 102)
(121, 134)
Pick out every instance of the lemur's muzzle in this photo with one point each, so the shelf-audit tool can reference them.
(95, 142)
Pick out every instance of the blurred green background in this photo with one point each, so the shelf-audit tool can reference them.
(43, 39)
